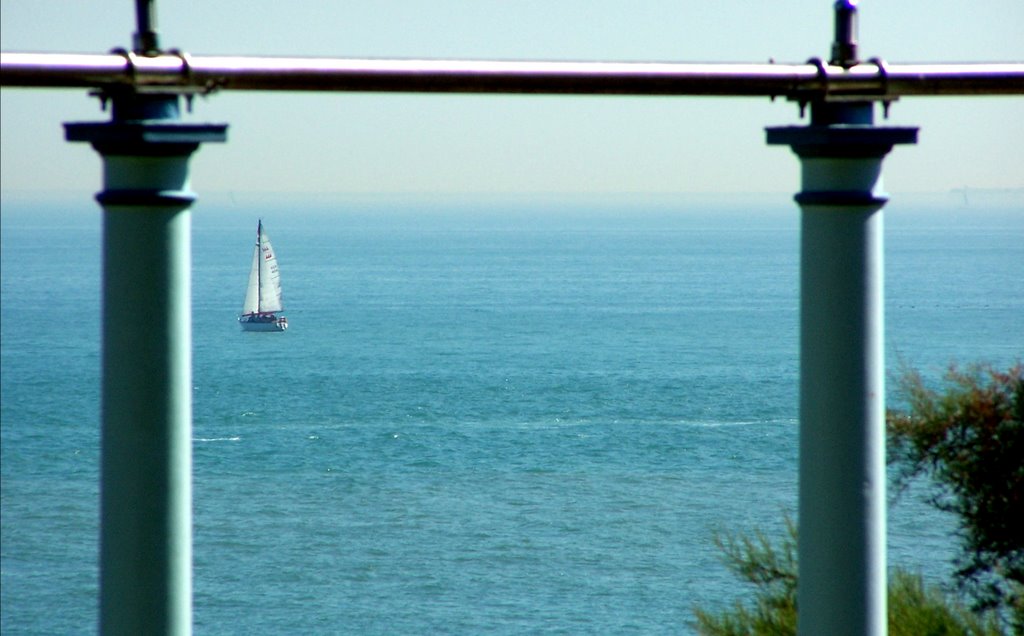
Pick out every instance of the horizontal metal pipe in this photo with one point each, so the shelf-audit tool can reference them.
(181, 72)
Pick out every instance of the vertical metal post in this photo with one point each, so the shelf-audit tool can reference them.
(145, 39)
(844, 44)
(841, 587)
(146, 496)
(842, 572)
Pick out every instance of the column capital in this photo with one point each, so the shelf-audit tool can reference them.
(841, 154)
(144, 125)
(145, 138)
(145, 150)
(841, 140)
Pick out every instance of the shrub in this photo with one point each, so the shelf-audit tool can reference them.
(914, 609)
(969, 439)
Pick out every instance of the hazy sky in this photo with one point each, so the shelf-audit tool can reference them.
(356, 143)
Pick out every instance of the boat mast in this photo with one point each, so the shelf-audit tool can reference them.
(259, 267)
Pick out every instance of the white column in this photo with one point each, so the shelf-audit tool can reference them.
(841, 525)
(146, 488)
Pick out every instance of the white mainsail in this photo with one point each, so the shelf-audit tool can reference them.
(263, 295)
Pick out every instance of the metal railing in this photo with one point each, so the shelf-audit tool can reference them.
(180, 72)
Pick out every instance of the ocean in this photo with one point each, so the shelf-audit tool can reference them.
(496, 416)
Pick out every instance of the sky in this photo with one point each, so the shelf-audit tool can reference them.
(345, 143)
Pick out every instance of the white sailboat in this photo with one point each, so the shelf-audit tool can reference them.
(263, 295)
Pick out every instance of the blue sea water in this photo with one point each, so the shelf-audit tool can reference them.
(495, 417)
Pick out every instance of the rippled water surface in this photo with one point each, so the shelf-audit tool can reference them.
(501, 418)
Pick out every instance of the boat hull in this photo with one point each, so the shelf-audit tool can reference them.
(263, 323)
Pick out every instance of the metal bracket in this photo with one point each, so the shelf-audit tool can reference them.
(184, 85)
(883, 75)
(825, 92)
(803, 97)
(129, 57)
(186, 72)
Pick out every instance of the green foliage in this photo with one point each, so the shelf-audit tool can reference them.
(772, 572)
(969, 439)
(914, 610)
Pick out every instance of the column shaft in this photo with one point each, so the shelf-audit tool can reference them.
(841, 527)
(146, 472)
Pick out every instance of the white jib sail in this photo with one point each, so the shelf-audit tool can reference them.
(263, 294)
